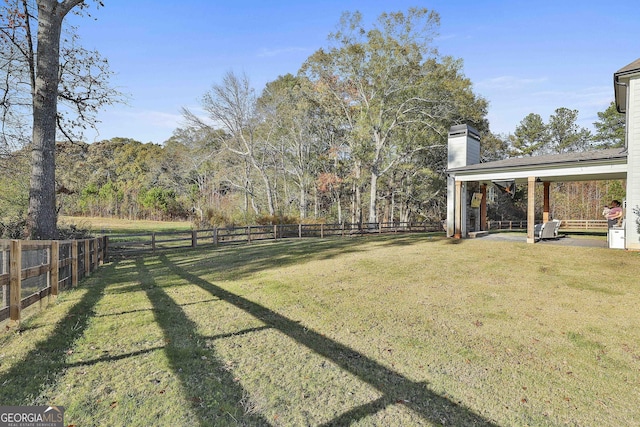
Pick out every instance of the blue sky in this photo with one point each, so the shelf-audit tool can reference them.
(523, 57)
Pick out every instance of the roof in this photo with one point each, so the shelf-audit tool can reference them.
(634, 66)
(514, 162)
(620, 90)
(566, 166)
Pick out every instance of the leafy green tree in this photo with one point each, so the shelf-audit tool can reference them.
(160, 202)
(390, 87)
(111, 198)
(198, 166)
(288, 103)
(564, 133)
(14, 182)
(530, 137)
(494, 147)
(89, 201)
(610, 128)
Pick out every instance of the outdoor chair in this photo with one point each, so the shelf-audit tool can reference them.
(548, 230)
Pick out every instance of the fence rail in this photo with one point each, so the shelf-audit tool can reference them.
(570, 224)
(42, 268)
(131, 244)
(581, 224)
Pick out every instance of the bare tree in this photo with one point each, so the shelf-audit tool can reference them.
(231, 106)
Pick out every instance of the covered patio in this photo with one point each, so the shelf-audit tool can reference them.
(530, 172)
(465, 172)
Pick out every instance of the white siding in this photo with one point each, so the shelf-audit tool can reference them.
(463, 151)
(633, 166)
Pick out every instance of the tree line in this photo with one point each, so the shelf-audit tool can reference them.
(358, 134)
(199, 174)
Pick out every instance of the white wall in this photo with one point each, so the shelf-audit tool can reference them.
(632, 239)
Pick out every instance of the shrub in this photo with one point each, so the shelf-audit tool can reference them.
(14, 228)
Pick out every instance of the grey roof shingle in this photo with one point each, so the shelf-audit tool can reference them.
(634, 66)
(551, 159)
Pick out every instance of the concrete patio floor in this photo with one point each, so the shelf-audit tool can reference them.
(566, 240)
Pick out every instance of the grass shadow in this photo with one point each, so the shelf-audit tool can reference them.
(394, 387)
(211, 389)
(41, 366)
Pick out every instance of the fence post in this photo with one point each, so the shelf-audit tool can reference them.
(153, 242)
(322, 231)
(96, 253)
(275, 231)
(15, 280)
(74, 263)
(300, 230)
(87, 258)
(342, 229)
(194, 238)
(249, 234)
(215, 236)
(53, 262)
(105, 245)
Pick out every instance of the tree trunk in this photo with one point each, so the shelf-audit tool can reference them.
(303, 199)
(375, 174)
(357, 197)
(373, 192)
(269, 191)
(42, 215)
(42, 196)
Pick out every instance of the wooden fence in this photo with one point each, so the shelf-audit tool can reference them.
(131, 244)
(42, 268)
(583, 224)
(570, 224)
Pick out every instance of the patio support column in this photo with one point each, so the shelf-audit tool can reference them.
(545, 211)
(531, 212)
(457, 233)
(483, 207)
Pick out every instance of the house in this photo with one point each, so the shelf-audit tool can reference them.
(467, 176)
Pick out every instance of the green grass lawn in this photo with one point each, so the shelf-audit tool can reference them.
(369, 331)
(102, 226)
